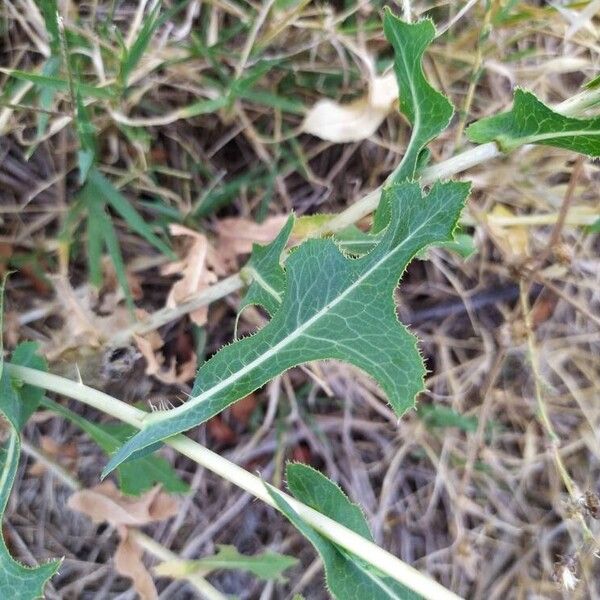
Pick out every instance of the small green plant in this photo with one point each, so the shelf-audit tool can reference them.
(326, 298)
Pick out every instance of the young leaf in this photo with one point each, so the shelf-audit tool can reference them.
(333, 307)
(16, 404)
(266, 566)
(347, 576)
(532, 122)
(266, 273)
(86, 155)
(314, 489)
(427, 110)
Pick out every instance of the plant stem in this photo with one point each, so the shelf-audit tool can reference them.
(342, 536)
(162, 317)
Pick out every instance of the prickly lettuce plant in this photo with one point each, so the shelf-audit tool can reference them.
(325, 303)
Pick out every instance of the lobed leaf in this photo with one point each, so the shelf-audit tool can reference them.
(266, 273)
(333, 306)
(530, 121)
(428, 111)
(347, 576)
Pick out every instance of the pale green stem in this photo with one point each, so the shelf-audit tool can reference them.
(349, 540)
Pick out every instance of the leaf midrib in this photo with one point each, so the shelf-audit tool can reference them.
(553, 135)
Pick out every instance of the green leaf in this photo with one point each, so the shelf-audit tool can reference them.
(593, 83)
(29, 396)
(103, 228)
(317, 491)
(51, 67)
(333, 307)
(347, 576)
(444, 416)
(594, 227)
(427, 110)
(463, 244)
(49, 10)
(266, 566)
(16, 403)
(532, 122)
(136, 476)
(266, 273)
(17, 580)
(151, 22)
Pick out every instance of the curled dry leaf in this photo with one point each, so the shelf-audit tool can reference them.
(65, 454)
(149, 346)
(128, 562)
(356, 120)
(86, 328)
(236, 236)
(104, 503)
(199, 269)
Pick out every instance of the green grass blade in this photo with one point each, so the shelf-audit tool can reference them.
(106, 229)
(105, 189)
(61, 85)
(132, 56)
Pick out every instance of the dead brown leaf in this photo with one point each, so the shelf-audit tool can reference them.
(65, 454)
(236, 236)
(85, 328)
(220, 431)
(149, 346)
(512, 239)
(199, 269)
(128, 562)
(242, 410)
(105, 503)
